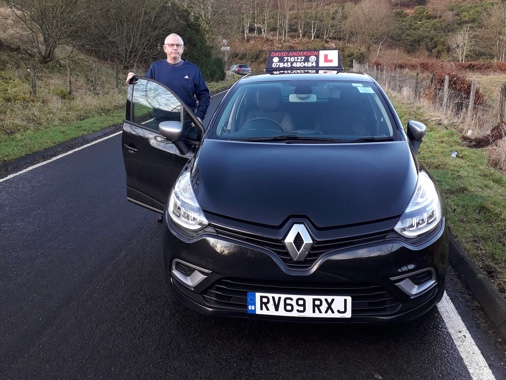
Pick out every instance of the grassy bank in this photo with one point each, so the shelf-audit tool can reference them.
(31, 125)
(472, 190)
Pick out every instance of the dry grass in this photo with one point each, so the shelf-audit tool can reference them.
(490, 85)
(54, 104)
(92, 90)
(497, 155)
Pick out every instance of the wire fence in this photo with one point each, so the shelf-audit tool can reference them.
(470, 111)
(41, 96)
(96, 76)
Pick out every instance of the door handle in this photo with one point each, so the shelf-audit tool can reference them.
(131, 149)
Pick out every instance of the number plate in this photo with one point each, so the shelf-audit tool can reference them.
(289, 305)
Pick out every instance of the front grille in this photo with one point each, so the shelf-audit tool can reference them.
(367, 299)
(319, 248)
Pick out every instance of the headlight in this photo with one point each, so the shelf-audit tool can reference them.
(424, 210)
(183, 206)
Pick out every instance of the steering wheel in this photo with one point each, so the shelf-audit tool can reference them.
(262, 123)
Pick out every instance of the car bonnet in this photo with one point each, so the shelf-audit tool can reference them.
(331, 184)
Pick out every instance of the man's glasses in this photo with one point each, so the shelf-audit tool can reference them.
(174, 45)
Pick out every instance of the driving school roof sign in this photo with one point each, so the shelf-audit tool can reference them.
(303, 61)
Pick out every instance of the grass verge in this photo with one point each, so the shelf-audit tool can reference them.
(31, 141)
(473, 193)
(34, 140)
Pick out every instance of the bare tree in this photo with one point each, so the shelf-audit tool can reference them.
(284, 17)
(494, 31)
(301, 7)
(314, 16)
(50, 23)
(265, 14)
(216, 16)
(333, 18)
(247, 16)
(371, 22)
(129, 32)
(278, 23)
(461, 42)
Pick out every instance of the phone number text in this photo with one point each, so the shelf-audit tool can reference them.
(293, 64)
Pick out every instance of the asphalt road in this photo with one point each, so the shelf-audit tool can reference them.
(83, 295)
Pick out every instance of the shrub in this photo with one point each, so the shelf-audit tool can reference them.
(63, 94)
(459, 84)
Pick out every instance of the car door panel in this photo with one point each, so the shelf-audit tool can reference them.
(152, 163)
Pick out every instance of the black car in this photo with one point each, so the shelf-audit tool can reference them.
(303, 200)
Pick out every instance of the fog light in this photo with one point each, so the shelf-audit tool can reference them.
(189, 275)
(415, 284)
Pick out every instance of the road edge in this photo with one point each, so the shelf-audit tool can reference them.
(489, 298)
(18, 164)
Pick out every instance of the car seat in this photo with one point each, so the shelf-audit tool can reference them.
(269, 105)
(343, 115)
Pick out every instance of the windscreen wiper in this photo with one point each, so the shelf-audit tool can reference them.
(294, 139)
(372, 139)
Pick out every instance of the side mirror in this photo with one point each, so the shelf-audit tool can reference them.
(173, 131)
(416, 132)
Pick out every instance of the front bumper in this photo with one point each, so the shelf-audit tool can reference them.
(387, 279)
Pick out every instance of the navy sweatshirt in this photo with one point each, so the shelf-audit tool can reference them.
(185, 79)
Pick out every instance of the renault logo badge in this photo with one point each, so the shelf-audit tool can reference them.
(298, 242)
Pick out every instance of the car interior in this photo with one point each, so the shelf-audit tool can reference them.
(345, 111)
(269, 106)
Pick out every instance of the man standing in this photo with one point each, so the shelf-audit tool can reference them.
(181, 76)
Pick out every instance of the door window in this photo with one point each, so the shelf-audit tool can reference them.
(152, 103)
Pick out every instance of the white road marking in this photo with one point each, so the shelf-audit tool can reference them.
(476, 364)
(57, 157)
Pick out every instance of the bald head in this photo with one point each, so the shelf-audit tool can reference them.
(173, 46)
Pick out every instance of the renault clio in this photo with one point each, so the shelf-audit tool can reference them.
(303, 199)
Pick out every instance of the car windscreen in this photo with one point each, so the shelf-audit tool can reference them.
(320, 110)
